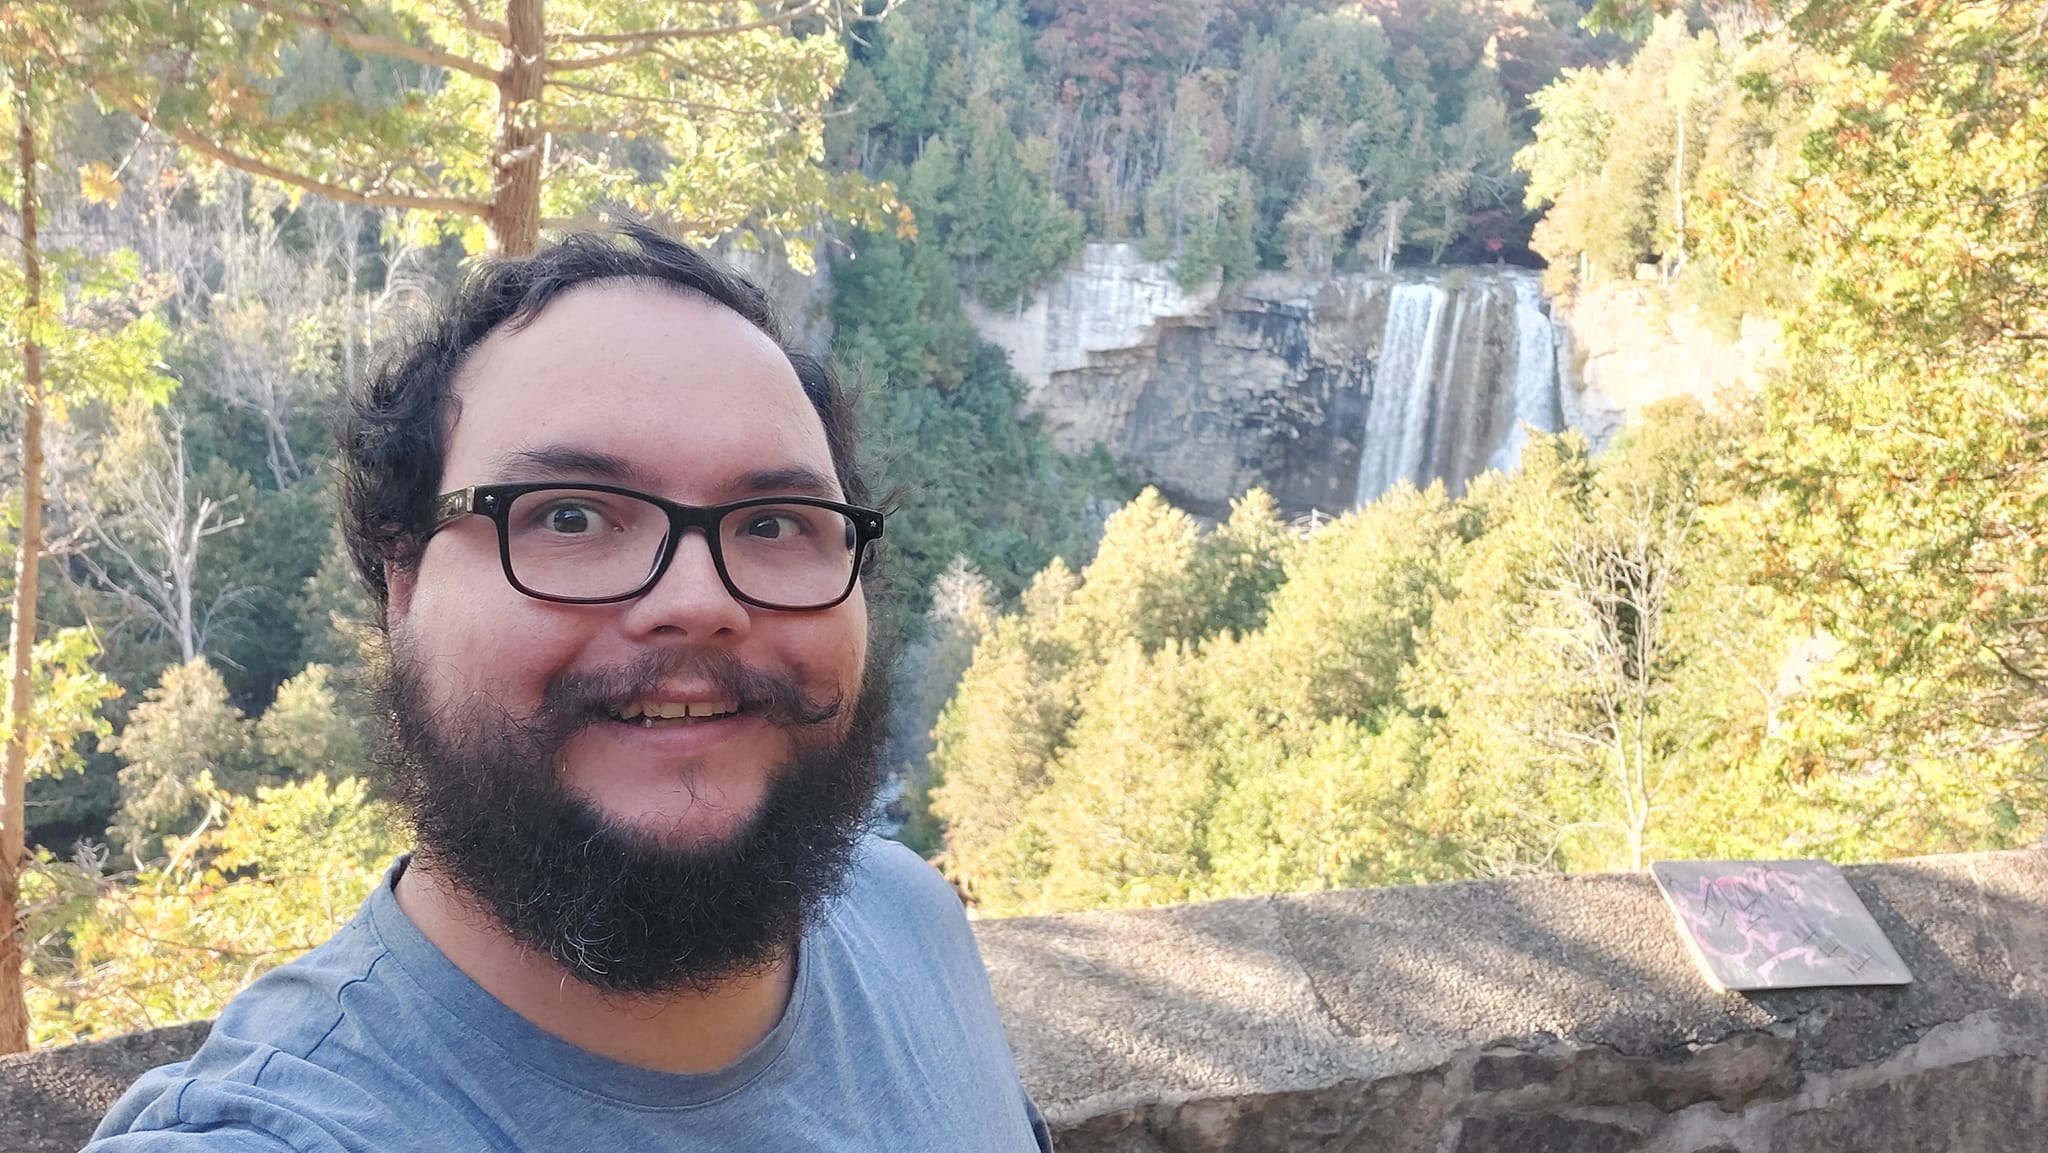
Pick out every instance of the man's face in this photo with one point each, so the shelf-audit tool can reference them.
(702, 408)
(522, 782)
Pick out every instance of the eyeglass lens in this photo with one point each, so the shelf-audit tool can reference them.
(578, 543)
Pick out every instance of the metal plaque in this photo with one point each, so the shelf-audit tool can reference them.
(1777, 925)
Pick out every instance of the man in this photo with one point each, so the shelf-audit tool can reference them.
(616, 534)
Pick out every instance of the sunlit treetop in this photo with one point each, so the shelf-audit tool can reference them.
(502, 119)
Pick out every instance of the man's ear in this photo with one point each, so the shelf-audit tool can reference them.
(399, 581)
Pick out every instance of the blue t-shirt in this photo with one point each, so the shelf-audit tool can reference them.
(375, 1043)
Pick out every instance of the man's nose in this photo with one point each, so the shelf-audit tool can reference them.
(691, 598)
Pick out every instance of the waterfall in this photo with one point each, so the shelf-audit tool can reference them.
(1448, 405)
(1397, 418)
(1535, 392)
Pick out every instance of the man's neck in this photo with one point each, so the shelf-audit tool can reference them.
(671, 1033)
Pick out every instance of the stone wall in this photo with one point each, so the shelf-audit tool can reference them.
(1539, 1015)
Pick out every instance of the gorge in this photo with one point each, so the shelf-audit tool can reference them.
(1328, 391)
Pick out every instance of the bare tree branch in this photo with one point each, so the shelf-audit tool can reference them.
(603, 58)
(666, 101)
(374, 44)
(483, 25)
(657, 36)
(408, 200)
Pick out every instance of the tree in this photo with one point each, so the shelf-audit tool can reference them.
(1142, 583)
(186, 747)
(266, 295)
(1328, 207)
(59, 363)
(1199, 211)
(1480, 676)
(1901, 454)
(308, 729)
(995, 744)
(1358, 592)
(175, 939)
(1613, 152)
(1127, 802)
(961, 614)
(707, 114)
(158, 519)
(1608, 594)
(1321, 806)
(1242, 563)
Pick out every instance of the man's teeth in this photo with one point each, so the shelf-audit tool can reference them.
(648, 712)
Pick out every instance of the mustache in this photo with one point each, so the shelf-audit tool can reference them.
(575, 700)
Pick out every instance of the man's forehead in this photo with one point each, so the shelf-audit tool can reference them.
(549, 461)
(618, 318)
(634, 382)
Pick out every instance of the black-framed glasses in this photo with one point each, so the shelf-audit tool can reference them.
(593, 544)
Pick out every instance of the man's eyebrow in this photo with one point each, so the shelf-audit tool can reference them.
(555, 461)
(795, 480)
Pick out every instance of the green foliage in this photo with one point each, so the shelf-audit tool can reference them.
(100, 340)
(1142, 584)
(173, 942)
(1225, 140)
(1325, 807)
(1200, 210)
(307, 731)
(1901, 452)
(962, 613)
(1124, 808)
(65, 699)
(1356, 593)
(709, 117)
(1608, 158)
(1581, 666)
(971, 478)
(1241, 564)
(184, 746)
(1868, 180)
(335, 615)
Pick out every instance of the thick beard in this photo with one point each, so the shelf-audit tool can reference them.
(619, 908)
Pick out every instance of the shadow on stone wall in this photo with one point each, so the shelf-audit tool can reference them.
(1517, 1016)
(1529, 1015)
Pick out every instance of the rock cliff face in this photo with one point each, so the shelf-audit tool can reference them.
(1626, 349)
(1325, 392)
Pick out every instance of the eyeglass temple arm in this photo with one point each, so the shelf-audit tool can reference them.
(455, 505)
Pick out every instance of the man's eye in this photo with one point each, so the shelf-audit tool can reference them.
(571, 519)
(773, 526)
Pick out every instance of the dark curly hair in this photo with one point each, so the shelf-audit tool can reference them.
(394, 430)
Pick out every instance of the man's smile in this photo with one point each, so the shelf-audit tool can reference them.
(651, 713)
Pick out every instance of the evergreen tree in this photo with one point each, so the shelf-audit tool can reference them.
(184, 747)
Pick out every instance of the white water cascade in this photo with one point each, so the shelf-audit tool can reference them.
(1449, 401)
(1535, 393)
(1397, 420)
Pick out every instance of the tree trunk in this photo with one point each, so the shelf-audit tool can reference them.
(22, 639)
(352, 228)
(514, 222)
(1678, 190)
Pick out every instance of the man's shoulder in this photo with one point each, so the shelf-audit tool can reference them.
(899, 910)
(889, 873)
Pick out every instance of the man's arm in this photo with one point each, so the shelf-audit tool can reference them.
(1040, 1132)
(186, 1139)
